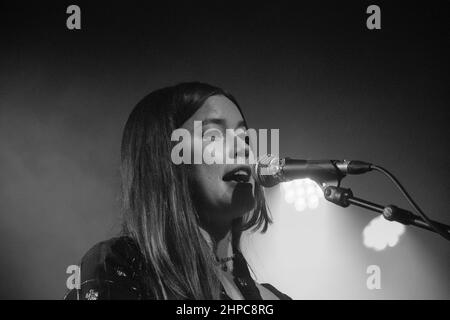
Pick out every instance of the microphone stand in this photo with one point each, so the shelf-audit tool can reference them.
(344, 197)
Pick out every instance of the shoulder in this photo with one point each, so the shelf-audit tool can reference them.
(111, 269)
(276, 292)
(116, 256)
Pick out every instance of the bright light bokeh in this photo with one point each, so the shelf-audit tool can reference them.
(321, 256)
(381, 233)
(302, 193)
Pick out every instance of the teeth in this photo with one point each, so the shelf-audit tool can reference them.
(238, 176)
(241, 176)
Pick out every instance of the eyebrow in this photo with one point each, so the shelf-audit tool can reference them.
(222, 122)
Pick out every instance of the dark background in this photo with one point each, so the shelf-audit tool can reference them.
(334, 89)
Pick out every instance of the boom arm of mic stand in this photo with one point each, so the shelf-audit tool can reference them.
(344, 197)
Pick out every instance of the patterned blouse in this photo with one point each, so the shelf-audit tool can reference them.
(112, 269)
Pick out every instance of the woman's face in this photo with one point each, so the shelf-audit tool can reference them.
(225, 190)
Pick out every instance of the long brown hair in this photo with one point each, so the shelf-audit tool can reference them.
(158, 209)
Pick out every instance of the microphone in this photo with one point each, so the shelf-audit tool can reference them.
(270, 170)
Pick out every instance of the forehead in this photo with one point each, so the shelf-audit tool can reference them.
(218, 107)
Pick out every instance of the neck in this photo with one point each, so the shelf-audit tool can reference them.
(219, 238)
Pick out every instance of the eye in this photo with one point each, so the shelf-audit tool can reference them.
(212, 134)
(243, 135)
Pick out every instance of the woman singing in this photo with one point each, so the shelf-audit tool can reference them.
(182, 222)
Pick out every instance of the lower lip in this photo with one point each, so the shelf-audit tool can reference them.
(239, 181)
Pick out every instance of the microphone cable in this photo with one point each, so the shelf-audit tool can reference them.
(399, 186)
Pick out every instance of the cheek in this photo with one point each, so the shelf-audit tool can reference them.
(206, 177)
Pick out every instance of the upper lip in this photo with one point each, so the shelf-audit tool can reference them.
(230, 174)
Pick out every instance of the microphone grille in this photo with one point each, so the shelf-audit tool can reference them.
(266, 169)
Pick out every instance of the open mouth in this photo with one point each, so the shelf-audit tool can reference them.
(240, 174)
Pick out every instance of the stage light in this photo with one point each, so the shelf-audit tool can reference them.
(381, 233)
(303, 193)
(300, 204)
